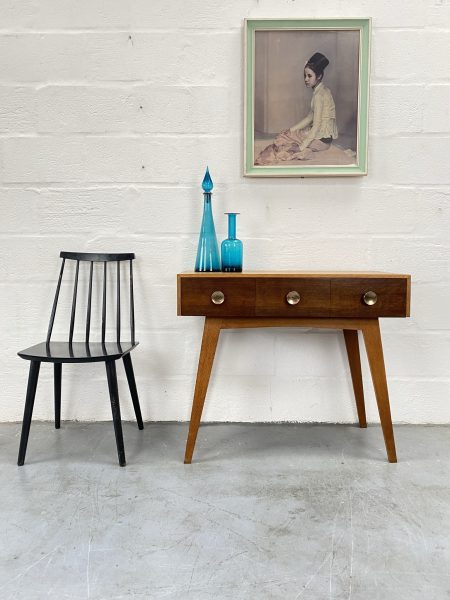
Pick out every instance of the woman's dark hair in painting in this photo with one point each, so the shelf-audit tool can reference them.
(317, 63)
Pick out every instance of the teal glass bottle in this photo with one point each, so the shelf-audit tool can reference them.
(208, 258)
(232, 249)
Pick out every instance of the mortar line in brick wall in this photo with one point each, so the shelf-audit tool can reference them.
(405, 80)
(412, 135)
(414, 331)
(37, 83)
(344, 377)
(84, 185)
(378, 83)
(422, 379)
(73, 183)
(106, 85)
(204, 31)
(81, 135)
(88, 186)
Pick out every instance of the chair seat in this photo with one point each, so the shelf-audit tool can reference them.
(77, 352)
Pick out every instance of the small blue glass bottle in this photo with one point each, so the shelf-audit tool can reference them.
(231, 248)
(208, 258)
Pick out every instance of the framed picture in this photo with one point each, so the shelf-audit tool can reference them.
(306, 97)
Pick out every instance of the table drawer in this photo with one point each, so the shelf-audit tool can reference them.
(374, 297)
(236, 297)
(293, 297)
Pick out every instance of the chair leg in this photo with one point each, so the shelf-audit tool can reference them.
(57, 368)
(28, 412)
(115, 408)
(133, 390)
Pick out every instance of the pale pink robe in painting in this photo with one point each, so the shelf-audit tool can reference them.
(313, 134)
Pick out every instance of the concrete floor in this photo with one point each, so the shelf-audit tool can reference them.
(266, 511)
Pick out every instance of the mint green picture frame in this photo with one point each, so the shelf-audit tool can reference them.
(251, 26)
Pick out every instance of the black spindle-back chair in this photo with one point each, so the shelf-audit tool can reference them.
(87, 351)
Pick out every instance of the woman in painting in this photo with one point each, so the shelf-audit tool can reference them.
(316, 131)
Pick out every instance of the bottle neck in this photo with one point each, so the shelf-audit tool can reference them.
(231, 227)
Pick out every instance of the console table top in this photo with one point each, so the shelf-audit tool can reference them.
(312, 274)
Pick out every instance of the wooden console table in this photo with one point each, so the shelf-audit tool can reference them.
(348, 301)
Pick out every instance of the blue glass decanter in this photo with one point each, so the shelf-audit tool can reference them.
(208, 258)
(231, 248)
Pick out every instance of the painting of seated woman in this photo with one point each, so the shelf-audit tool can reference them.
(306, 98)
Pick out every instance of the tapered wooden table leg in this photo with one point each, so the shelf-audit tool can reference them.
(354, 360)
(372, 340)
(211, 333)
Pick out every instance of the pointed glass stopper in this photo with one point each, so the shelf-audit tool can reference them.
(207, 183)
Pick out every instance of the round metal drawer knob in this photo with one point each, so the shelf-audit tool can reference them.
(218, 297)
(293, 298)
(370, 298)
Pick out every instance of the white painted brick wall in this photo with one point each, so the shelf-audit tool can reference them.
(109, 113)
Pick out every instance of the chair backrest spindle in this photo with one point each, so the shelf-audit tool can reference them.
(118, 303)
(74, 302)
(132, 304)
(89, 303)
(104, 304)
(55, 302)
